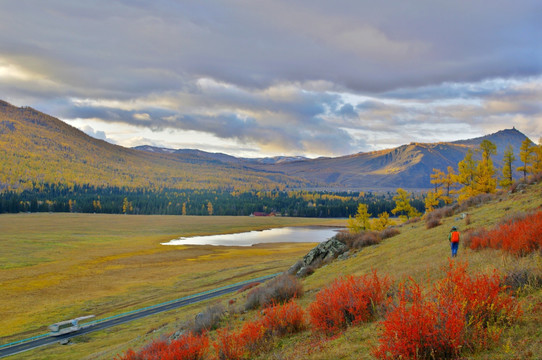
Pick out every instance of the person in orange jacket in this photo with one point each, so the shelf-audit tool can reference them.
(453, 238)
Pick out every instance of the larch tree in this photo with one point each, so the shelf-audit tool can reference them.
(402, 204)
(361, 220)
(526, 156)
(507, 173)
(486, 182)
(466, 177)
(382, 222)
(537, 157)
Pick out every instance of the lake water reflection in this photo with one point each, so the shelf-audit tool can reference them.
(287, 234)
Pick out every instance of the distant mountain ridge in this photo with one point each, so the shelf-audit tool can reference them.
(38, 148)
(408, 166)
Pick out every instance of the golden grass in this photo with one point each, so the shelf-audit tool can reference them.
(60, 266)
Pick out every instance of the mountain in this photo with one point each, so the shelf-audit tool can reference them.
(407, 166)
(37, 148)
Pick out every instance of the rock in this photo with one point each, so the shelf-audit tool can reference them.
(295, 268)
(305, 271)
(325, 251)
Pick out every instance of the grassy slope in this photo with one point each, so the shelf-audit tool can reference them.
(420, 253)
(416, 252)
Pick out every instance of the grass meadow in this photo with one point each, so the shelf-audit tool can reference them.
(55, 267)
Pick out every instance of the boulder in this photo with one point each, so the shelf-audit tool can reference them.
(325, 251)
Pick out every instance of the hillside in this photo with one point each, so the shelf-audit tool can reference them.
(407, 166)
(420, 255)
(37, 148)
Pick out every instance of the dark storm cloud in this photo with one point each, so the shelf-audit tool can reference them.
(273, 72)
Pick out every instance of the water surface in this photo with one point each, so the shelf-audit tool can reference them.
(286, 234)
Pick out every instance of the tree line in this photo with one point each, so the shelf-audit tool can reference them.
(124, 200)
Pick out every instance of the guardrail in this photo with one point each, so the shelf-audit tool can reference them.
(95, 322)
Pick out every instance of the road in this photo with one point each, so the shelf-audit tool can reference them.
(110, 322)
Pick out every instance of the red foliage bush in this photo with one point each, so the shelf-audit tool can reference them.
(519, 237)
(418, 328)
(254, 337)
(187, 347)
(463, 312)
(229, 345)
(347, 301)
(280, 320)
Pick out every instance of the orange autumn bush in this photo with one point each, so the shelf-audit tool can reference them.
(186, 347)
(348, 301)
(254, 337)
(518, 236)
(459, 313)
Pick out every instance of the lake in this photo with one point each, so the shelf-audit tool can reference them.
(286, 234)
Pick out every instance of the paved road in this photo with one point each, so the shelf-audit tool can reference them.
(16, 349)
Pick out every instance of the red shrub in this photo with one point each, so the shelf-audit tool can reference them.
(347, 301)
(485, 303)
(254, 337)
(280, 320)
(187, 347)
(418, 328)
(519, 237)
(463, 312)
(229, 345)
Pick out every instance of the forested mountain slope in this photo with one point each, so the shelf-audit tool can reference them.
(36, 148)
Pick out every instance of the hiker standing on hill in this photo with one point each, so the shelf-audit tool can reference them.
(454, 240)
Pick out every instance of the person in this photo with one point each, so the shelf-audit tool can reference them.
(453, 238)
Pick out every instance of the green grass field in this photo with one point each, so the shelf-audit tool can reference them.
(60, 266)
(124, 268)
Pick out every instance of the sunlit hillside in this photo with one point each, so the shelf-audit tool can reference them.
(36, 148)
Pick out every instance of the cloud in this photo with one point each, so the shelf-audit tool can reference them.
(100, 135)
(309, 76)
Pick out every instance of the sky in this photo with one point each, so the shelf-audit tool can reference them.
(263, 78)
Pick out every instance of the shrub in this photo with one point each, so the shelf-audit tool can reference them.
(278, 290)
(209, 319)
(485, 302)
(348, 300)
(523, 279)
(416, 328)
(280, 320)
(359, 240)
(463, 312)
(255, 336)
(389, 232)
(518, 237)
(229, 345)
(186, 347)
(366, 239)
(432, 222)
